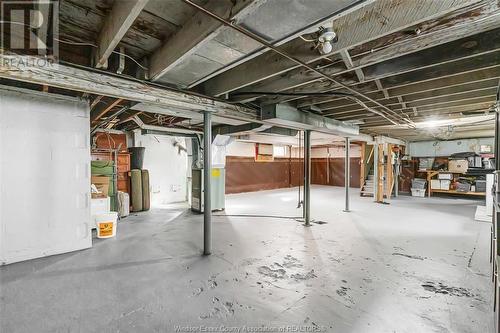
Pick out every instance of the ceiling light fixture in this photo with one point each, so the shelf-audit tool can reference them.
(325, 40)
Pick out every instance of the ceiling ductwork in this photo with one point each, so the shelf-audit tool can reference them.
(254, 128)
(290, 117)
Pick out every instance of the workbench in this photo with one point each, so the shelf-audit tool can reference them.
(432, 173)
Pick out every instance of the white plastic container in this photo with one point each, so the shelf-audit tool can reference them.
(417, 192)
(445, 176)
(445, 184)
(98, 206)
(435, 184)
(106, 224)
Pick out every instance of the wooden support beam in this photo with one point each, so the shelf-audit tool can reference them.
(116, 25)
(489, 61)
(485, 19)
(355, 28)
(455, 100)
(95, 101)
(381, 88)
(389, 179)
(362, 169)
(30, 69)
(360, 74)
(199, 29)
(346, 58)
(419, 100)
(379, 181)
(108, 108)
(463, 82)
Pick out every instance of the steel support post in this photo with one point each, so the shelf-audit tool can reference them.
(207, 171)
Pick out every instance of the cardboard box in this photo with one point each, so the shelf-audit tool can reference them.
(102, 184)
(458, 166)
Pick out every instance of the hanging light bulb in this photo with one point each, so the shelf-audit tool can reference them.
(326, 48)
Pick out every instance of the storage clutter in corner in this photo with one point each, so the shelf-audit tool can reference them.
(139, 181)
(460, 173)
(109, 182)
(418, 187)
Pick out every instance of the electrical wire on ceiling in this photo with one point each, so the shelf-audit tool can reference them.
(320, 94)
(308, 94)
(387, 114)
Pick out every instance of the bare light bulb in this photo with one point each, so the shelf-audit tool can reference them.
(326, 47)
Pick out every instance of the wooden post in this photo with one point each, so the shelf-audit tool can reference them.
(390, 177)
(380, 174)
(362, 169)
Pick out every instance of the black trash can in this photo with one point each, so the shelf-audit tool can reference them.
(136, 157)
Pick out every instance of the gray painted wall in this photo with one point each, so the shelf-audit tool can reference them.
(445, 148)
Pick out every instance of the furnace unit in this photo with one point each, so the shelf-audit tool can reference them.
(217, 190)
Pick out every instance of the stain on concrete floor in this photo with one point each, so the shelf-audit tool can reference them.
(362, 271)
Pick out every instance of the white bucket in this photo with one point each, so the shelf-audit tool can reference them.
(106, 224)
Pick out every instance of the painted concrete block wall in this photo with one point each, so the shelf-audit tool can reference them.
(242, 149)
(247, 149)
(167, 165)
(446, 148)
(334, 152)
(44, 176)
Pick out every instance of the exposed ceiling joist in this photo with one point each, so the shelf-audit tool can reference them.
(26, 69)
(353, 29)
(116, 25)
(99, 114)
(434, 85)
(417, 78)
(307, 29)
(384, 112)
(199, 29)
(483, 88)
(450, 106)
(193, 115)
(474, 51)
(487, 19)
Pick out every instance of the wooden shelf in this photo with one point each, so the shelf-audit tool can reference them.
(458, 192)
(432, 173)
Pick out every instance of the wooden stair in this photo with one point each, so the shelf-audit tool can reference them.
(368, 190)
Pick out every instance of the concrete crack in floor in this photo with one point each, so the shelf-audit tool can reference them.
(469, 263)
(408, 256)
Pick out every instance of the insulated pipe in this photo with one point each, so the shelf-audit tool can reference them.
(388, 114)
(207, 171)
(307, 177)
(347, 173)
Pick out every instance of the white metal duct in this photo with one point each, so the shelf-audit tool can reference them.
(288, 116)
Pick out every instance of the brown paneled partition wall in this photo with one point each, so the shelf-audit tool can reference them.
(243, 174)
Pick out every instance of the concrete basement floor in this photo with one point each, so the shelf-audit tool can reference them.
(416, 265)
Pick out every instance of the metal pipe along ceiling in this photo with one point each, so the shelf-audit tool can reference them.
(388, 114)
